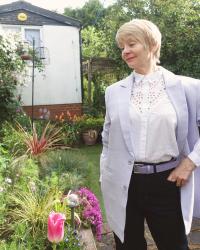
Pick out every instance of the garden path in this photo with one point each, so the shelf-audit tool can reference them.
(107, 242)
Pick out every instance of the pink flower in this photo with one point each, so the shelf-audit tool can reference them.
(56, 227)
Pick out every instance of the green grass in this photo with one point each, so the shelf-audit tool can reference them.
(92, 155)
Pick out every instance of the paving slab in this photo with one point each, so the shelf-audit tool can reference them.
(108, 243)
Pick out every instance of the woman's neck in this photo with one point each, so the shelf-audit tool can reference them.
(145, 70)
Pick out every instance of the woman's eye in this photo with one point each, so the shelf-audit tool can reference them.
(132, 44)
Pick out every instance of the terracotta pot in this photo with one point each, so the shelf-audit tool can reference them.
(90, 136)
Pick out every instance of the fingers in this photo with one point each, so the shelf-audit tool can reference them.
(171, 178)
(179, 181)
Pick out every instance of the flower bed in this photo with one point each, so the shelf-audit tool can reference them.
(35, 186)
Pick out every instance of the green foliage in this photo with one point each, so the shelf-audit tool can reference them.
(71, 134)
(12, 73)
(72, 240)
(23, 172)
(12, 140)
(18, 136)
(32, 187)
(179, 25)
(26, 222)
(23, 119)
(11, 67)
(64, 169)
(88, 122)
(90, 14)
(93, 42)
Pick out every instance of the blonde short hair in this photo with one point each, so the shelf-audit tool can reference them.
(143, 31)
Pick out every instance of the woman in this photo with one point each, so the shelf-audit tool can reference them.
(151, 147)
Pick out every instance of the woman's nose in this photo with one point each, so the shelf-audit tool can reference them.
(126, 49)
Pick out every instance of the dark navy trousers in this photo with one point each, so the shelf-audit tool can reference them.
(157, 200)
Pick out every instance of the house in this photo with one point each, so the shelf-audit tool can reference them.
(59, 87)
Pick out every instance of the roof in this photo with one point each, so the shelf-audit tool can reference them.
(22, 5)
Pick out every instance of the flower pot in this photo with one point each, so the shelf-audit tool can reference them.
(26, 57)
(90, 136)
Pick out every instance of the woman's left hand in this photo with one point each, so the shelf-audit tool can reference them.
(182, 172)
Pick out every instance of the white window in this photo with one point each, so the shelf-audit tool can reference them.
(32, 34)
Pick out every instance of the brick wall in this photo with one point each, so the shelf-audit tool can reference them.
(51, 111)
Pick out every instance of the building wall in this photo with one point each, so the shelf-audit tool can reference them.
(60, 83)
(54, 111)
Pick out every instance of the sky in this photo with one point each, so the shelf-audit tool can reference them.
(59, 5)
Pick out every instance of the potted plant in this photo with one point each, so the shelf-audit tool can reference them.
(90, 127)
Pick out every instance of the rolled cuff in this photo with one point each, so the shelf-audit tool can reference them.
(195, 158)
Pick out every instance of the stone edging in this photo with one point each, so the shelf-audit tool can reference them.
(87, 239)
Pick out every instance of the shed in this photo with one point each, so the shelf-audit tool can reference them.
(59, 88)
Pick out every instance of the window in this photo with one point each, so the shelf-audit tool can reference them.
(31, 34)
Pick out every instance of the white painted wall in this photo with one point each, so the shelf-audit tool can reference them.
(60, 82)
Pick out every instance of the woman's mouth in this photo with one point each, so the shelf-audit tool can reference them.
(129, 59)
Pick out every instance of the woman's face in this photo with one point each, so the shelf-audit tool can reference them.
(135, 55)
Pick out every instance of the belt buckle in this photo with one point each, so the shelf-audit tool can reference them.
(136, 167)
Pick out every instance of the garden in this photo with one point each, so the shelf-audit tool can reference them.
(41, 182)
(49, 186)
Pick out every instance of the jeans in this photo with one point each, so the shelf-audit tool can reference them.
(157, 200)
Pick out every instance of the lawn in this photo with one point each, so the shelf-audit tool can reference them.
(92, 154)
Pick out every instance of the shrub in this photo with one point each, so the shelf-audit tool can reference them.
(86, 122)
(71, 134)
(65, 169)
(64, 181)
(63, 161)
(12, 140)
(11, 66)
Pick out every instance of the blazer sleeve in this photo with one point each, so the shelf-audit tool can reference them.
(195, 154)
(105, 134)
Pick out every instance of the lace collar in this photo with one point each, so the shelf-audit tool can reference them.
(154, 76)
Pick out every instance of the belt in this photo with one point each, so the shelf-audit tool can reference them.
(152, 168)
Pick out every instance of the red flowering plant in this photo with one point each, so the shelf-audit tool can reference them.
(90, 211)
(70, 128)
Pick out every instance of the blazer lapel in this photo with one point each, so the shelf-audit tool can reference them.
(124, 94)
(176, 94)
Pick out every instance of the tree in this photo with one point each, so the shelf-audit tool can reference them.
(179, 24)
(90, 14)
(93, 42)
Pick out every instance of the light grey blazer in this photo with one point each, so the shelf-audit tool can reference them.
(117, 158)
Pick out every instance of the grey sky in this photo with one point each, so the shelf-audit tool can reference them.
(59, 5)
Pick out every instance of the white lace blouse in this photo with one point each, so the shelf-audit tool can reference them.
(153, 119)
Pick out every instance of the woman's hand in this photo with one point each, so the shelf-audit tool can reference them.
(182, 172)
